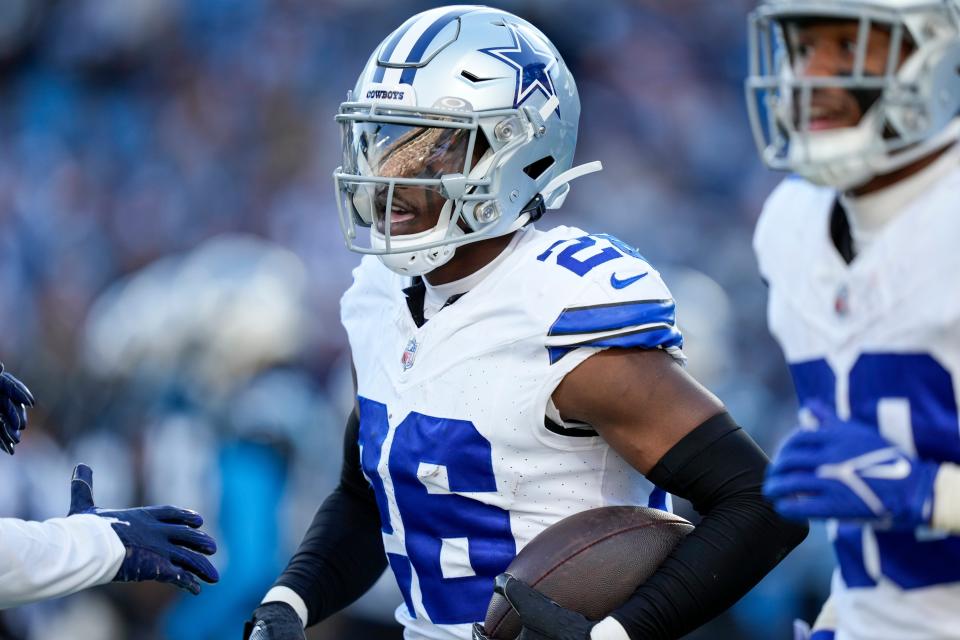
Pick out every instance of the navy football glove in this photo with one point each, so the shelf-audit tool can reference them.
(15, 399)
(274, 621)
(541, 617)
(162, 543)
(847, 470)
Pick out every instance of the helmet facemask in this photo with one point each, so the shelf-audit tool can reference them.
(908, 109)
(401, 164)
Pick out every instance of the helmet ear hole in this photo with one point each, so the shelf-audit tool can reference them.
(480, 146)
(536, 169)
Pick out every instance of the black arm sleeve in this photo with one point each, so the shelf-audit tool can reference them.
(720, 470)
(341, 555)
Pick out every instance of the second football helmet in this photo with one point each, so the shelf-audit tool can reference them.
(468, 108)
(913, 106)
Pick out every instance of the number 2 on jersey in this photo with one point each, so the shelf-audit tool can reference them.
(582, 266)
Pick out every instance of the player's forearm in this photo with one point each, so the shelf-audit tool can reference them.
(739, 540)
(339, 559)
(40, 560)
(341, 555)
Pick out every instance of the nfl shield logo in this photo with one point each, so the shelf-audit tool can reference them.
(841, 304)
(409, 354)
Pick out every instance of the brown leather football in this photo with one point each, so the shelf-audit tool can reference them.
(590, 562)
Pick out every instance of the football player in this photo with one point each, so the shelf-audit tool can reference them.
(92, 546)
(859, 248)
(507, 377)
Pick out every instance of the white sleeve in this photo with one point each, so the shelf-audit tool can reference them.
(40, 560)
(946, 499)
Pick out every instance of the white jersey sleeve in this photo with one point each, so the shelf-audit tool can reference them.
(41, 560)
(617, 303)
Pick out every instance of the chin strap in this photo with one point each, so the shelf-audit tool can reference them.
(557, 189)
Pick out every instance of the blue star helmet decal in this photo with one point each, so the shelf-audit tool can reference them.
(532, 64)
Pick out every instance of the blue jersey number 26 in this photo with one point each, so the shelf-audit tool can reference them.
(434, 518)
(924, 392)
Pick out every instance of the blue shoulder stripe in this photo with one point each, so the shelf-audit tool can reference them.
(558, 352)
(609, 317)
(659, 336)
(665, 336)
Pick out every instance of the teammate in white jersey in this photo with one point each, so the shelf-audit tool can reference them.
(506, 377)
(862, 99)
(92, 546)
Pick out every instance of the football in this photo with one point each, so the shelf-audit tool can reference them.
(590, 562)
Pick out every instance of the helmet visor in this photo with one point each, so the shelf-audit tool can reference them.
(386, 150)
(412, 159)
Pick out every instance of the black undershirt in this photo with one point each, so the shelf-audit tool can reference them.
(717, 467)
(415, 294)
(840, 232)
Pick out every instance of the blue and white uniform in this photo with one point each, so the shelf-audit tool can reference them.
(879, 341)
(453, 436)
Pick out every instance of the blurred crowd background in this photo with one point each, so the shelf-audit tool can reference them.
(171, 264)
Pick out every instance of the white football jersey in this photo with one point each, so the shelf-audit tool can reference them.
(453, 436)
(879, 340)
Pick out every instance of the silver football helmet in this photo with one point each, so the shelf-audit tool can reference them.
(917, 108)
(466, 109)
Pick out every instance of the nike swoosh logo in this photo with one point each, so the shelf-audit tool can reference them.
(896, 470)
(616, 283)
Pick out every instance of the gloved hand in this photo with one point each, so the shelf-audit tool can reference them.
(847, 470)
(274, 621)
(15, 399)
(541, 617)
(162, 543)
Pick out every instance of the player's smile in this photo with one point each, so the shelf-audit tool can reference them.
(406, 211)
(833, 109)
(400, 215)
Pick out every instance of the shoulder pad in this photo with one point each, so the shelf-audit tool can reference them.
(612, 297)
(371, 281)
(796, 210)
